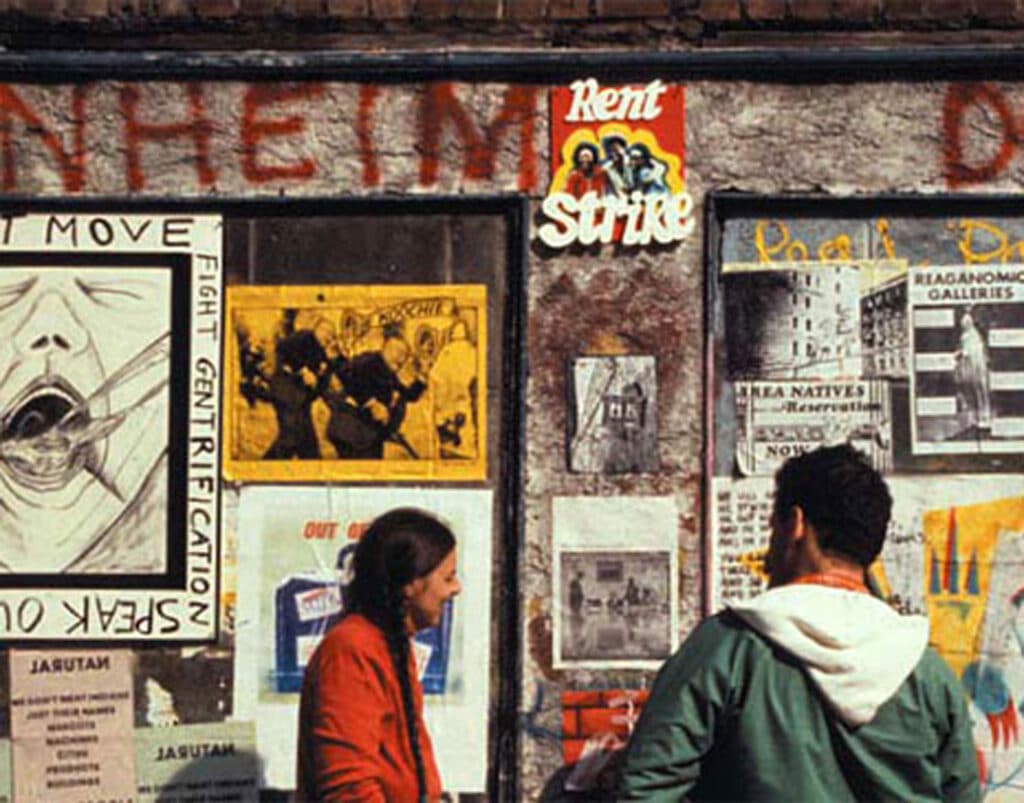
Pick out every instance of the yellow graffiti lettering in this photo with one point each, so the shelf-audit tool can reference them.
(765, 252)
(796, 252)
(982, 242)
(836, 248)
(888, 247)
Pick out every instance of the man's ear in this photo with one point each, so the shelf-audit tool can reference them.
(798, 527)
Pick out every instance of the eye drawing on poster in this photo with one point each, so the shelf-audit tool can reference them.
(613, 427)
(85, 356)
(357, 382)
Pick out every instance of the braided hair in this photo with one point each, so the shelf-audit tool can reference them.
(399, 546)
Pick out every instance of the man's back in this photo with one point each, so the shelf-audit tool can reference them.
(734, 716)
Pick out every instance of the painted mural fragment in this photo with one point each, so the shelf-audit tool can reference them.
(974, 570)
(617, 166)
(356, 382)
(596, 726)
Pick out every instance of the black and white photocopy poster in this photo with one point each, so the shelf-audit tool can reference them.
(109, 425)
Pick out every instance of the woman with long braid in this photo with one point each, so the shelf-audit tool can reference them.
(361, 732)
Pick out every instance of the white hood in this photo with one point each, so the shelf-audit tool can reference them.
(856, 648)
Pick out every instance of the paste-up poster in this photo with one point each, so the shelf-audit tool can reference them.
(617, 166)
(615, 415)
(913, 559)
(209, 762)
(295, 557)
(110, 348)
(967, 335)
(616, 584)
(71, 725)
(356, 382)
(779, 420)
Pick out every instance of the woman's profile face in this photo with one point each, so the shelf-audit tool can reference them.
(427, 595)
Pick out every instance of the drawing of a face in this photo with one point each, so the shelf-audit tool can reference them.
(394, 352)
(84, 367)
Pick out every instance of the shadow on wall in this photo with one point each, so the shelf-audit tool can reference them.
(235, 778)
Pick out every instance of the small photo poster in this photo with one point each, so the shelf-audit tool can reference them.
(613, 429)
(616, 585)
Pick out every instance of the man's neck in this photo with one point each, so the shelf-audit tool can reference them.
(836, 572)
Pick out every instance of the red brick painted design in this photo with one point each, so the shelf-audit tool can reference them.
(587, 714)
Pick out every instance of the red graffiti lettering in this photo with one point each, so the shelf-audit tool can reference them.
(255, 129)
(364, 133)
(357, 529)
(518, 108)
(136, 131)
(72, 165)
(960, 99)
(320, 529)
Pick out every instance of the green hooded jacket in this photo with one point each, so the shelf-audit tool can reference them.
(807, 694)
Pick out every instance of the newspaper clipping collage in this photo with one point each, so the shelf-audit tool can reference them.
(917, 363)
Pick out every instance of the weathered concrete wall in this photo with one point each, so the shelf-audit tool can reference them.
(194, 140)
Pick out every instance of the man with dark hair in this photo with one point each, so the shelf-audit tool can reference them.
(815, 690)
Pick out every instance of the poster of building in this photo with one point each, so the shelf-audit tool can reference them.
(779, 420)
(109, 426)
(614, 427)
(883, 329)
(615, 581)
(967, 340)
(356, 382)
(295, 556)
(71, 725)
(617, 166)
(793, 321)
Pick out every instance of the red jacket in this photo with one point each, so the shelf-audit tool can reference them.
(353, 741)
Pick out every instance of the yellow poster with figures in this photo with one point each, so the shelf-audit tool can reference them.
(356, 382)
(960, 556)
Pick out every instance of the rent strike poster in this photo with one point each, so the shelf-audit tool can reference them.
(617, 166)
(295, 559)
(110, 342)
(356, 382)
(71, 725)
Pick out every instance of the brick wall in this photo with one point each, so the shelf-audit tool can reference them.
(429, 23)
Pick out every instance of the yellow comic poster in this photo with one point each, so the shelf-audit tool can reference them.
(356, 382)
